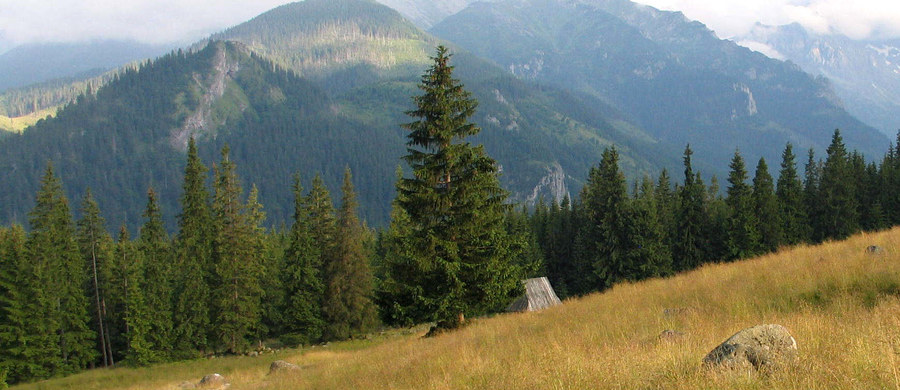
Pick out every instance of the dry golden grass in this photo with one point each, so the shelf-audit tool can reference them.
(841, 304)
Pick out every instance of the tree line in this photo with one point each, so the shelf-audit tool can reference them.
(73, 297)
(610, 234)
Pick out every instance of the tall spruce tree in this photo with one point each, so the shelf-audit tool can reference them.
(687, 250)
(302, 278)
(155, 248)
(455, 205)
(193, 259)
(236, 256)
(812, 204)
(59, 338)
(95, 245)
(347, 305)
(839, 211)
(789, 191)
(743, 236)
(606, 204)
(13, 361)
(765, 204)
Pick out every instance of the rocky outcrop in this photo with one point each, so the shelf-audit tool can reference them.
(762, 346)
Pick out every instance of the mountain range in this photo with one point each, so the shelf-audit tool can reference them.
(865, 74)
(315, 86)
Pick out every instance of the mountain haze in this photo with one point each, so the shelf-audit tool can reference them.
(865, 74)
(670, 76)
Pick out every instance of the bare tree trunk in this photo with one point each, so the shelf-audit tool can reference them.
(99, 308)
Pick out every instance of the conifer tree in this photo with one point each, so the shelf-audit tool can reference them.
(193, 258)
(13, 331)
(136, 315)
(839, 213)
(765, 204)
(347, 306)
(156, 286)
(743, 236)
(301, 277)
(95, 244)
(605, 200)
(811, 201)
(649, 250)
(320, 211)
(794, 221)
(687, 250)
(455, 205)
(236, 258)
(59, 338)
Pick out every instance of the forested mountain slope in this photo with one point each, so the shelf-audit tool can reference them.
(131, 133)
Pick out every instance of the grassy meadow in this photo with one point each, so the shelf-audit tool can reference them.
(18, 124)
(841, 303)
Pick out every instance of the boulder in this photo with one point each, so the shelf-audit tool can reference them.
(213, 381)
(762, 346)
(874, 249)
(279, 366)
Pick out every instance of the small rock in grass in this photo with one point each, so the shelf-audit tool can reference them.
(670, 335)
(762, 346)
(282, 366)
(874, 249)
(213, 381)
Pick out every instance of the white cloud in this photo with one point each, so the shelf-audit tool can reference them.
(151, 21)
(729, 18)
(763, 48)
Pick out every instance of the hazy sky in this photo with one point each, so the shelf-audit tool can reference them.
(854, 18)
(164, 21)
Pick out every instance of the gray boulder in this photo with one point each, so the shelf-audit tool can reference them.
(762, 346)
(213, 381)
(279, 366)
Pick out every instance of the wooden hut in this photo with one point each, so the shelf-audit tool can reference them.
(538, 295)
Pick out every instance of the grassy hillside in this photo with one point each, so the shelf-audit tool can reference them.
(841, 304)
(18, 124)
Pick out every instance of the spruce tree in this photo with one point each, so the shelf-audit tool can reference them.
(839, 214)
(60, 339)
(687, 250)
(606, 204)
(455, 206)
(794, 221)
(13, 321)
(650, 253)
(236, 256)
(765, 204)
(153, 243)
(743, 236)
(347, 305)
(301, 277)
(136, 314)
(811, 201)
(95, 244)
(193, 259)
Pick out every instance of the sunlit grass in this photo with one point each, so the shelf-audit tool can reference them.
(18, 124)
(841, 304)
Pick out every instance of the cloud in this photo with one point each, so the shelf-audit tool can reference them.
(857, 19)
(150, 21)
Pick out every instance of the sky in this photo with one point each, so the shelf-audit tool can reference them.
(858, 19)
(182, 21)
